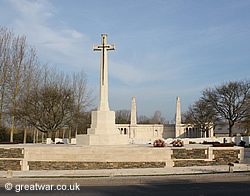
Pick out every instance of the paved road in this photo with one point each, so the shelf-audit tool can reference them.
(207, 184)
(187, 189)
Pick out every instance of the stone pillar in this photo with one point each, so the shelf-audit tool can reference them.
(211, 131)
(178, 111)
(178, 119)
(133, 113)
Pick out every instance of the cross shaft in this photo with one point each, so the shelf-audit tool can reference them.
(103, 102)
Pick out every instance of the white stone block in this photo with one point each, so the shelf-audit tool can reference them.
(48, 141)
(229, 139)
(73, 140)
(58, 140)
(103, 122)
(169, 140)
(186, 141)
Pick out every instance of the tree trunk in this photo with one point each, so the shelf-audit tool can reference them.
(63, 133)
(2, 103)
(25, 132)
(76, 132)
(12, 129)
(42, 137)
(231, 124)
(53, 135)
(37, 135)
(207, 132)
(34, 135)
(70, 134)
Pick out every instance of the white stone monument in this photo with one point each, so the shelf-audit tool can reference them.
(179, 131)
(133, 112)
(178, 111)
(103, 130)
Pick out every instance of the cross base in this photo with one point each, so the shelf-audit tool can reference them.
(99, 139)
(103, 131)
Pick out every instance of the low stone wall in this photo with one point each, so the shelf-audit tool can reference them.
(11, 158)
(62, 165)
(6, 165)
(54, 157)
(189, 153)
(224, 157)
(189, 163)
(221, 156)
(11, 153)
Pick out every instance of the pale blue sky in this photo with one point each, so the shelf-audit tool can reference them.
(164, 48)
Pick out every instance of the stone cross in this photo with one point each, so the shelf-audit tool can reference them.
(104, 47)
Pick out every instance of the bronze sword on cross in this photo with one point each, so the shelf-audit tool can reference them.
(104, 47)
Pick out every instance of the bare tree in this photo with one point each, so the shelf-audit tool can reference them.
(30, 82)
(201, 114)
(18, 67)
(82, 99)
(6, 37)
(142, 119)
(246, 120)
(230, 100)
(53, 103)
(122, 117)
(48, 108)
(84, 122)
(31, 95)
(157, 118)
